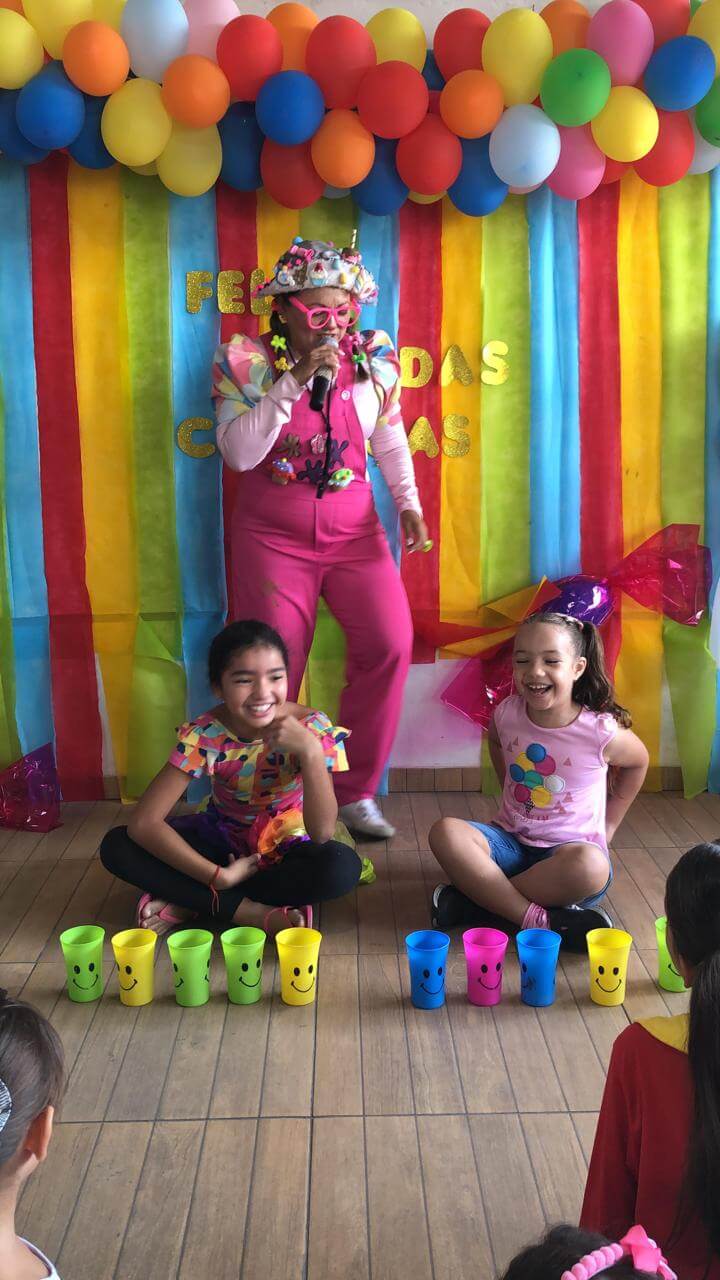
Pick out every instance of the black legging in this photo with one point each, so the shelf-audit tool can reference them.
(308, 873)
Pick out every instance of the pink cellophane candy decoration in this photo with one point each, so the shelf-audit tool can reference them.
(30, 792)
(669, 573)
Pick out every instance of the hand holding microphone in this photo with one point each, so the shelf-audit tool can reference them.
(322, 364)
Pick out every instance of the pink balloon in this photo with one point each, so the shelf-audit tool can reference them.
(546, 766)
(578, 172)
(622, 33)
(523, 191)
(206, 19)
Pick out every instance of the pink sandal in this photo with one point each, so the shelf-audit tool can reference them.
(166, 914)
(306, 910)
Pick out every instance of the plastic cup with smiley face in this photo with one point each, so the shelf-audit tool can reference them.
(243, 950)
(190, 955)
(298, 955)
(668, 977)
(609, 951)
(538, 951)
(134, 955)
(427, 951)
(484, 956)
(82, 948)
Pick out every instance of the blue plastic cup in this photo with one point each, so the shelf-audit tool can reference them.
(538, 954)
(427, 956)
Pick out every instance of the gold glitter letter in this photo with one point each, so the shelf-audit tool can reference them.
(456, 441)
(197, 290)
(408, 376)
(230, 293)
(455, 368)
(259, 306)
(499, 369)
(422, 439)
(185, 438)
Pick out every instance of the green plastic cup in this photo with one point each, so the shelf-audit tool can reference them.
(243, 950)
(82, 948)
(190, 954)
(668, 977)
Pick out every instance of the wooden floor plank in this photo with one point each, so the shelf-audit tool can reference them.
(139, 1084)
(191, 1071)
(277, 1215)
(484, 1075)
(559, 1165)
(437, 1086)
(105, 1200)
(703, 822)
(338, 1247)
(86, 841)
(399, 1240)
(338, 1072)
(573, 1053)
(99, 1058)
(241, 1060)
(377, 934)
(215, 1234)
(37, 925)
(508, 1184)
(458, 1231)
(14, 976)
(532, 1073)
(339, 925)
(387, 1082)
(289, 1061)
(162, 1203)
(647, 876)
(585, 1126)
(50, 1195)
(408, 893)
(83, 906)
(678, 828)
(398, 810)
(19, 895)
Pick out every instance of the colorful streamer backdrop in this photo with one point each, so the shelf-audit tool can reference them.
(112, 566)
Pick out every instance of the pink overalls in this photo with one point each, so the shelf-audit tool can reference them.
(290, 547)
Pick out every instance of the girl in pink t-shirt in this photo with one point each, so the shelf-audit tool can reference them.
(544, 862)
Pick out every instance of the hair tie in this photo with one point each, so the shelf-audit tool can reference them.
(636, 1245)
(5, 1105)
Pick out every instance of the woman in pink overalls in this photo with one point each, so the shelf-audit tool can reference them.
(304, 521)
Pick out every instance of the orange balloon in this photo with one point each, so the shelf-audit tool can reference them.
(471, 103)
(96, 58)
(568, 21)
(342, 150)
(293, 23)
(15, 5)
(195, 91)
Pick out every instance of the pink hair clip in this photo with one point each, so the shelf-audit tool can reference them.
(637, 1245)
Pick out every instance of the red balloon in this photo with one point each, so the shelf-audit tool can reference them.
(434, 103)
(289, 175)
(670, 18)
(393, 99)
(249, 50)
(672, 154)
(338, 54)
(614, 170)
(458, 41)
(430, 158)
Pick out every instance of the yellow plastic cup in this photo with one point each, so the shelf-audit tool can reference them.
(298, 955)
(134, 955)
(608, 951)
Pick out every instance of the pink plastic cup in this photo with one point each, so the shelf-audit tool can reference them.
(484, 955)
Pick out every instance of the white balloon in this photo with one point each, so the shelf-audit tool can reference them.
(706, 155)
(554, 783)
(156, 33)
(524, 146)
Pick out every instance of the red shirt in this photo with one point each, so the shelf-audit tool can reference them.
(638, 1159)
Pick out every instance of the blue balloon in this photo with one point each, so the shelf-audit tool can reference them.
(477, 190)
(680, 73)
(290, 108)
(431, 72)
(383, 191)
(12, 143)
(50, 109)
(242, 142)
(88, 149)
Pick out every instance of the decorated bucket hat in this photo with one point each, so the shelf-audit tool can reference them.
(318, 264)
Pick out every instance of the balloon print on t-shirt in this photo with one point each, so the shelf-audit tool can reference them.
(536, 782)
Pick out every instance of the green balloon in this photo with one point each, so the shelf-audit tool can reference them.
(575, 87)
(694, 6)
(707, 115)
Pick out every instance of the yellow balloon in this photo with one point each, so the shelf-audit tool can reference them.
(52, 19)
(191, 162)
(109, 11)
(628, 125)
(705, 24)
(418, 198)
(540, 797)
(398, 36)
(21, 51)
(145, 170)
(517, 50)
(135, 125)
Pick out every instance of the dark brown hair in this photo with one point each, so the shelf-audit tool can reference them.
(593, 689)
(235, 638)
(32, 1067)
(558, 1252)
(692, 903)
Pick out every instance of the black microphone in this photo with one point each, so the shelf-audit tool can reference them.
(322, 381)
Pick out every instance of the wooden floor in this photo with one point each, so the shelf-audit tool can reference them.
(355, 1138)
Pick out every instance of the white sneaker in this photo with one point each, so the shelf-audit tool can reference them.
(364, 818)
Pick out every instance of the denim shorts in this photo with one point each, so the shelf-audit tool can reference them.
(512, 857)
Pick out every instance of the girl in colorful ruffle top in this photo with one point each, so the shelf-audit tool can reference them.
(262, 850)
(304, 524)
